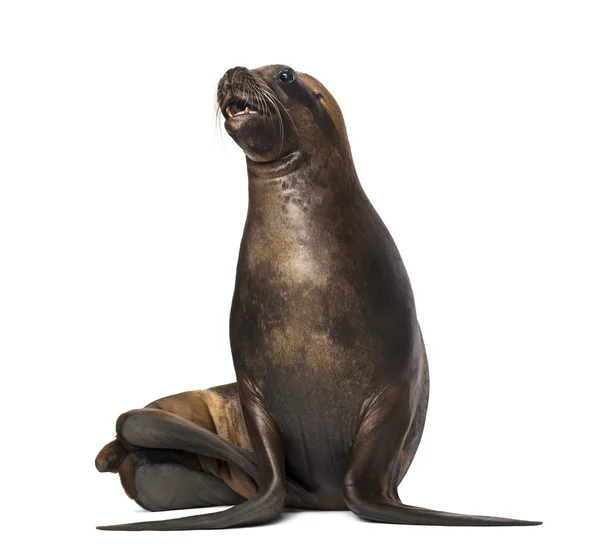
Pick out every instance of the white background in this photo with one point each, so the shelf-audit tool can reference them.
(475, 129)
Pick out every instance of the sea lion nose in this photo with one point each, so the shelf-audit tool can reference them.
(230, 72)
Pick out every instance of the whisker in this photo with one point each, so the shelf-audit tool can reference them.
(284, 108)
(274, 101)
(254, 92)
(218, 128)
(259, 94)
(265, 105)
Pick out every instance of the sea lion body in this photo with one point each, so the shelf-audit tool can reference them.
(331, 368)
(322, 319)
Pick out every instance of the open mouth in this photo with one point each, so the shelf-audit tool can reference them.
(236, 107)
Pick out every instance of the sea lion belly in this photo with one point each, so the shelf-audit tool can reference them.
(307, 322)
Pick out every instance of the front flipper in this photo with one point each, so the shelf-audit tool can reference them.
(375, 466)
(392, 511)
(157, 429)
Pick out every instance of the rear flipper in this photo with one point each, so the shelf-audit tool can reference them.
(158, 481)
(153, 454)
(111, 457)
(158, 429)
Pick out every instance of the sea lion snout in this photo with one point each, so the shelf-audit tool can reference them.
(236, 83)
(231, 72)
(255, 112)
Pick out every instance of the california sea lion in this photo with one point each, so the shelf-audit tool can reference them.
(332, 376)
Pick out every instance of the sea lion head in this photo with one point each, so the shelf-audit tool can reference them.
(274, 111)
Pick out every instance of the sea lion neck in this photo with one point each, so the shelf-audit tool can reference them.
(315, 172)
(277, 169)
(311, 184)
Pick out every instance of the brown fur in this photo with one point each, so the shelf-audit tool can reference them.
(216, 409)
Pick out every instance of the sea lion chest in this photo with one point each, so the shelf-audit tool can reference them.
(298, 308)
(306, 327)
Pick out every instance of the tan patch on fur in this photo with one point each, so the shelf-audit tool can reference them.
(223, 417)
(229, 424)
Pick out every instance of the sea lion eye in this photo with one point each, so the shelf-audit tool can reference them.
(286, 76)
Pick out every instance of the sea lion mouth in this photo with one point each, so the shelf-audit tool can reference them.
(236, 107)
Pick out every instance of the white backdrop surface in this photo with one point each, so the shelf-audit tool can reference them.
(475, 132)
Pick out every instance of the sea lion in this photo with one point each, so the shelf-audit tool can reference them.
(332, 377)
